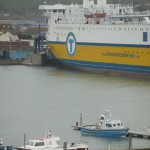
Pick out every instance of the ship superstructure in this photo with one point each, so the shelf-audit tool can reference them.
(101, 37)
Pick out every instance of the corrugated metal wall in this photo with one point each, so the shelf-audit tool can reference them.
(16, 55)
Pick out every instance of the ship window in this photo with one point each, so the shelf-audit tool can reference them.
(145, 37)
(108, 125)
(141, 29)
(36, 144)
(31, 143)
(42, 144)
(114, 125)
(118, 124)
(39, 144)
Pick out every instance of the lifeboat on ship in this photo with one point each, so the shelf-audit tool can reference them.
(100, 14)
(88, 15)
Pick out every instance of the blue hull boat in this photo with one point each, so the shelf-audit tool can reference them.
(106, 126)
(105, 133)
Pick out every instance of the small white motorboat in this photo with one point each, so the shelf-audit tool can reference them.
(51, 142)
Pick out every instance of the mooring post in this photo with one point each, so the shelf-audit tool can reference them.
(65, 146)
(24, 142)
(80, 119)
(130, 141)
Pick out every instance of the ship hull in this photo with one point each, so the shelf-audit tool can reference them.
(113, 49)
(105, 133)
(128, 60)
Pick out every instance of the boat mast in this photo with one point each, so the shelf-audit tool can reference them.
(24, 141)
(80, 119)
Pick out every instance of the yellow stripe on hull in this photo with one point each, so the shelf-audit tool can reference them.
(137, 56)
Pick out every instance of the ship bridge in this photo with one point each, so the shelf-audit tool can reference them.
(51, 9)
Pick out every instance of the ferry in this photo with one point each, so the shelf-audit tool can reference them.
(106, 127)
(102, 38)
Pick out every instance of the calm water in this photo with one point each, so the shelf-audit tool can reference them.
(34, 99)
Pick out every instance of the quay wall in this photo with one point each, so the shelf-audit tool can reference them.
(10, 62)
(35, 59)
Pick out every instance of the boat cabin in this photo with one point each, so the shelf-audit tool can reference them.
(50, 142)
(47, 142)
(114, 124)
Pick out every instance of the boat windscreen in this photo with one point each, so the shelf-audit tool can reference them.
(31, 143)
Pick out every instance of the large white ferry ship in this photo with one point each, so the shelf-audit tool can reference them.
(101, 37)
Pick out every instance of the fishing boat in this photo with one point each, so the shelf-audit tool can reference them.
(116, 42)
(106, 126)
(51, 142)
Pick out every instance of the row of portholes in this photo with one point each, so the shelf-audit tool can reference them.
(96, 28)
(125, 29)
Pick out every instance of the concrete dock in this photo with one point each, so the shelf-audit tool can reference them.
(139, 134)
(35, 59)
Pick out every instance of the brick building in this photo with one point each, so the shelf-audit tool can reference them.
(10, 41)
(6, 27)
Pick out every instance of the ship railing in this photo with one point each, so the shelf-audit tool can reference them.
(45, 14)
(125, 23)
(141, 12)
(48, 14)
(136, 23)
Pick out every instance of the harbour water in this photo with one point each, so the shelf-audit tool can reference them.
(36, 99)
